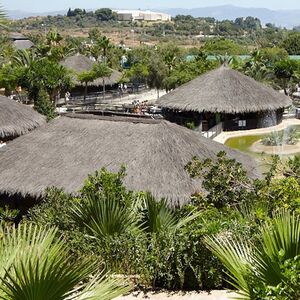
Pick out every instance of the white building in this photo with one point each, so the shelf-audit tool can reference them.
(139, 15)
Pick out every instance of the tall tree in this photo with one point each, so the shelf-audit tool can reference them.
(101, 70)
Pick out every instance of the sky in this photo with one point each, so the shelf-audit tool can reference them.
(56, 5)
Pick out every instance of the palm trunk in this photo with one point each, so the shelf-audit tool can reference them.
(103, 80)
(85, 91)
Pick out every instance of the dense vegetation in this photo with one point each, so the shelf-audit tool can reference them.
(162, 246)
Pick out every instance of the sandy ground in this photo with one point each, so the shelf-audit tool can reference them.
(213, 295)
(150, 96)
(224, 136)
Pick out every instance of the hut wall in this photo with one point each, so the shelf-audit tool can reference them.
(183, 118)
(252, 120)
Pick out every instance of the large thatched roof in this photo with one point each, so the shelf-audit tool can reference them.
(225, 91)
(79, 63)
(65, 151)
(17, 119)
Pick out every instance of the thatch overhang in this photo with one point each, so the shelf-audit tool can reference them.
(79, 63)
(17, 119)
(224, 90)
(65, 151)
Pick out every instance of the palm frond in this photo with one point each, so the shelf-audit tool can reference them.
(280, 242)
(105, 217)
(35, 264)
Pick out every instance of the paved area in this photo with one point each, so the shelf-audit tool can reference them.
(224, 136)
(213, 295)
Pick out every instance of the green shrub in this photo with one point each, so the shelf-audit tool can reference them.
(44, 106)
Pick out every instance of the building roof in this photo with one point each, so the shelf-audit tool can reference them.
(155, 153)
(79, 63)
(17, 119)
(224, 90)
(22, 44)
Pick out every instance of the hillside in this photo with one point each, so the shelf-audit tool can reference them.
(284, 18)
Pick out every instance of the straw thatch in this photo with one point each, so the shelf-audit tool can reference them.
(20, 42)
(225, 91)
(23, 44)
(79, 63)
(17, 119)
(65, 151)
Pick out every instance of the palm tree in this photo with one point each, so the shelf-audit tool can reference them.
(107, 217)
(104, 43)
(101, 70)
(86, 77)
(3, 18)
(252, 268)
(35, 264)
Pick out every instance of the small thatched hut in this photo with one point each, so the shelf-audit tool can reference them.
(17, 119)
(225, 96)
(65, 151)
(20, 42)
(79, 63)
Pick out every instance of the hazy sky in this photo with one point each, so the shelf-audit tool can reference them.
(53, 5)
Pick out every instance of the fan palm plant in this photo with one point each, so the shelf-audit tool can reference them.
(253, 268)
(105, 217)
(158, 216)
(35, 265)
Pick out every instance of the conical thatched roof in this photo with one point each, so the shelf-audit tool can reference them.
(225, 91)
(17, 119)
(79, 63)
(155, 153)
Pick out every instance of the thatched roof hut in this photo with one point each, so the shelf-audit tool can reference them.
(224, 90)
(154, 152)
(20, 42)
(80, 63)
(17, 119)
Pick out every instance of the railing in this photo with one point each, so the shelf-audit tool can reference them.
(214, 131)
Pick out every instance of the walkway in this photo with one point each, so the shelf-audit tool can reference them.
(224, 136)
(213, 295)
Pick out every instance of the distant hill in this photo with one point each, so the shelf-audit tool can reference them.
(284, 18)
(19, 14)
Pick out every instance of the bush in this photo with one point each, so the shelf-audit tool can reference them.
(44, 106)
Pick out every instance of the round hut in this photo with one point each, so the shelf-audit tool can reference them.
(79, 63)
(154, 152)
(20, 42)
(227, 98)
(17, 119)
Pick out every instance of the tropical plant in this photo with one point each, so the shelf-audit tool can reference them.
(35, 264)
(43, 105)
(3, 18)
(105, 218)
(290, 137)
(225, 180)
(101, 70)
(46, 75)
(85, 77)
(256, 269)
